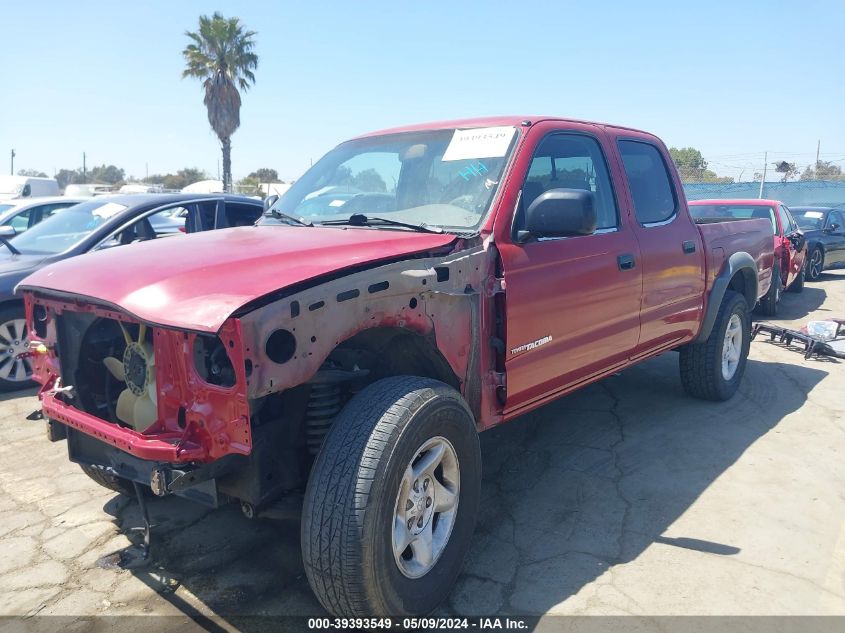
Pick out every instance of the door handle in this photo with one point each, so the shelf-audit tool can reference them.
(626, 262)
(689, 247)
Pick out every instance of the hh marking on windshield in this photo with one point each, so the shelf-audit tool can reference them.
(471, 170)
(532, 345)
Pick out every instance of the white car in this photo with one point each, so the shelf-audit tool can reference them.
(25, 213)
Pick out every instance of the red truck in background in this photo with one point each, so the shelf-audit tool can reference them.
(414, 287)
(790, 245)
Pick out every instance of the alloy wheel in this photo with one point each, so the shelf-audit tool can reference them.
(426, 507)
(13, 342)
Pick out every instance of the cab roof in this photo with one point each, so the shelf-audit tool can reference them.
(492, 121)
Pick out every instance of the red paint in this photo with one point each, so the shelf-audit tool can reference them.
(568, 310)
(198, 285)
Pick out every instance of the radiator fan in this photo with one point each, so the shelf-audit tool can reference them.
(136, 405)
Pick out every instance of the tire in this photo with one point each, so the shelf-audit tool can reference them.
(14, 373)
(703, 373)
(815, 264)
(117, 484)
(353, 496)
(769, 303)
(797, 284)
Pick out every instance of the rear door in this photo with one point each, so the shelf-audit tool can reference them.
(572, 303)
(672, 259)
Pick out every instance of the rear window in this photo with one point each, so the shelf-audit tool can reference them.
(734, 211)
(648, 181)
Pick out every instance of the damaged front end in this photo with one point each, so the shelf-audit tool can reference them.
(144, 403)
(242, 412)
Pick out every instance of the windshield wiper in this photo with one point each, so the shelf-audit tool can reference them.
(290, 218)
(359, 219)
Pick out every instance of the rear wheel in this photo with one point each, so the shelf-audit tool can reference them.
(815, 265)
(15, 373)
(391, 502)
(713, 369)
(769, 303)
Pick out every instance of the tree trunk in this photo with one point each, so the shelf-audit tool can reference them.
(227, 164)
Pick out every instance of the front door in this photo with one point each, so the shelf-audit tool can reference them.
(572, 303)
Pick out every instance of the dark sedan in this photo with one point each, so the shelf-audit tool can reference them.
(824, 228)
(100, 223)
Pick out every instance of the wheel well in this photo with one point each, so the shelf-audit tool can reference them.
(389, 351)
(9, 303)
(745, 283)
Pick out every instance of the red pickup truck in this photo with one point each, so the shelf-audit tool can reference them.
(414, 287)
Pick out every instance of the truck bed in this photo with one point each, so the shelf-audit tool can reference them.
(723, 236)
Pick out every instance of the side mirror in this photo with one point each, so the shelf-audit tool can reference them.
(26, 191)
(560, 213)
(833, 228)
(269, 201)
(7, 232)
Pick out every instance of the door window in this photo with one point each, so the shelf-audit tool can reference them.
(570, 161)
(785, 225)
(648, 181)
(238, 214)
(836, 217)
(21, 221)
(165, 223)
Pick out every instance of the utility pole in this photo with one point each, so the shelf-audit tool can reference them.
(763, 179)
(816, 166)
(12, 171)
(84, 169)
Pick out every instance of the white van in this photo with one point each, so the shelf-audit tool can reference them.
(12, 187)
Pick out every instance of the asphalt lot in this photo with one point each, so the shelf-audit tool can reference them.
(625, 498)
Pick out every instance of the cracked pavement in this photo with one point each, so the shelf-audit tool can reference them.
(624, 498)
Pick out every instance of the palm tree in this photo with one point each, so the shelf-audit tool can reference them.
(221, 56)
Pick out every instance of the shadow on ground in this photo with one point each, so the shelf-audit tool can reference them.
(585, 483)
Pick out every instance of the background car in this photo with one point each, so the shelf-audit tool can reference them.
(96, 224)
(790, 243)
(824, 228)
(26, 213)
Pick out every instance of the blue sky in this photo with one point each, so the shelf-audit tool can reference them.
(733, 79)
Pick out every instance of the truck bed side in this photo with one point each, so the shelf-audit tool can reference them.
(731, 245)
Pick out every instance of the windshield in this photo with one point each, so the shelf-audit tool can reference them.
(438, 178)
(5, 207)
(61, 231)
(736, 211)
(809, 219)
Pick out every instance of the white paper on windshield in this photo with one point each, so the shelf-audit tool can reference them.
(337, 203)
(816, 215)
(107, 210)
(482, 142)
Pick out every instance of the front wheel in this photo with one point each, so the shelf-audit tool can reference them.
(15, 372)
(713, 369)
(391, 502)
(815, 265)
